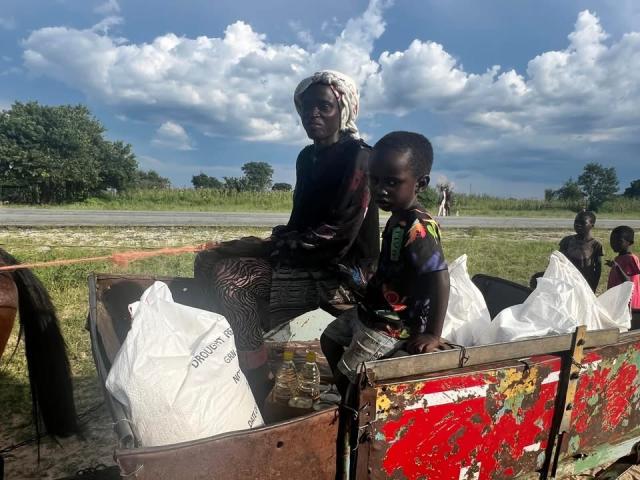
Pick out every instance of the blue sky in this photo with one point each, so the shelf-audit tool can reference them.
(515, 96)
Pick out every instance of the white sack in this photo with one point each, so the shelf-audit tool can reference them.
(561, 301)
(177, 373)
(467, 312)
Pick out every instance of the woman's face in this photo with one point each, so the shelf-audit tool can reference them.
(321, 114)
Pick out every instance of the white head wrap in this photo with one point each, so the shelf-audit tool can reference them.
(345, 91)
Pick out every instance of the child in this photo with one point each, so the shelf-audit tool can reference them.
(584, 251)
(404, 303)
(625, 268)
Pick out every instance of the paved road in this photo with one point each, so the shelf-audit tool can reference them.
(55, 217)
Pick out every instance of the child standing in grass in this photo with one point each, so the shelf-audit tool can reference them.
(404, 303)
(584, 251)
(625, 268)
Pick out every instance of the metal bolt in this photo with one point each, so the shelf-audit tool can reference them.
(574, 376)
(569, 406)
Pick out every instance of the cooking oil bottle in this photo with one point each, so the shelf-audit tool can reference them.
(286, 384)
(309, 378)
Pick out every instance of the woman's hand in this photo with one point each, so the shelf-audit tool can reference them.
(355, 280)
(425, 343)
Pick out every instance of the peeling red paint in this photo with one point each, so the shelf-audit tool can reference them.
(618, 395)
(495, 424)
(606, 397)
(472, 432)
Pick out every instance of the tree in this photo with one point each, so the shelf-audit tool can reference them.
(203, 180)
(549, 194)
(633, 191)
(118, 166)
(598, 183)
(58, 154)
(429, 198)
(150, 179)
(570, 191)
(239, 184)
(258, 175)
(282, 187)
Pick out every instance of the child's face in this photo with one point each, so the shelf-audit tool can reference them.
(582, 225)
(619, 244)
(394, 186)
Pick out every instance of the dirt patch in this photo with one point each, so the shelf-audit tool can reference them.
(61, 457)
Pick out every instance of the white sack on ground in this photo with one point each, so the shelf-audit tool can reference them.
(467, 312)
(177, 373)
(561, 301)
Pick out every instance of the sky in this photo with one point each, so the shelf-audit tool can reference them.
(516, 97)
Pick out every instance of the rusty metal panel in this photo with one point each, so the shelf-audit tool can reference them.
(303, 448)
(606, 409)
(394, 368)
(482, 423)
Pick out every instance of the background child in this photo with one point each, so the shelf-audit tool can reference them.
(405, 302)
(625, 268)
(584, 251)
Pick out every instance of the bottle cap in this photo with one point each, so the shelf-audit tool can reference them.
(288, 355)
(311, 356)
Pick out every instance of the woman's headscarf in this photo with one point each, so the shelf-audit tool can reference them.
(345, 91)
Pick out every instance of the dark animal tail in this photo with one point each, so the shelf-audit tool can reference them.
(48, 365)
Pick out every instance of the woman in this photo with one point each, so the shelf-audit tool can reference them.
(259, 284)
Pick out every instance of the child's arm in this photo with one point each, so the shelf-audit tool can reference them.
(598, 253)
(433, 287)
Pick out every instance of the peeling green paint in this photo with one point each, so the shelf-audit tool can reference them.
(514, 386)
(574, 444)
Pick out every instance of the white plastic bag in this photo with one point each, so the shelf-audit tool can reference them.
(467, 312)
(561, 301)
(177, 373)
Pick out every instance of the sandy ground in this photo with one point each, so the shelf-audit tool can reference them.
(62, 457)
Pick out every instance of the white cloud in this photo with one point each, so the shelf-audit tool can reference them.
(303, 36)
(7, 23)
(108, 8)
(172, 135)
(241, 85)
(105, 25)
(235, 85)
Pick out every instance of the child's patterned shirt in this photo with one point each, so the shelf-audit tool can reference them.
(411, 249)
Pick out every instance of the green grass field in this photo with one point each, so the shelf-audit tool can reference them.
(189, 199)
(511, 254)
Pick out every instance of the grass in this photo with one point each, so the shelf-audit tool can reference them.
(192, 200)
(188, 199)
(512, 254)
(486, 205)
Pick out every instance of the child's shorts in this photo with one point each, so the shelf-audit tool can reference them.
(362, 343)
